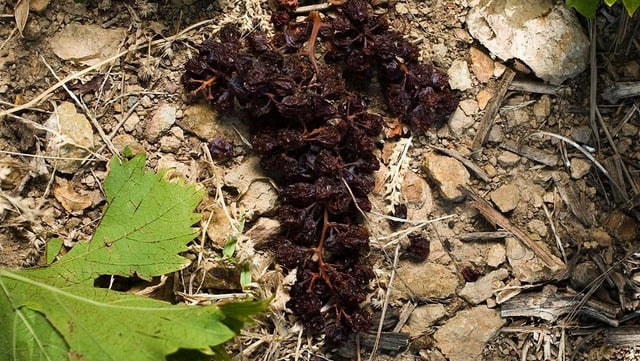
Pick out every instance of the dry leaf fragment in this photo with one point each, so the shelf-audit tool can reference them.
(70, 200)
(21, 13)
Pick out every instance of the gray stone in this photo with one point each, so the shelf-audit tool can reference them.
(482, 289)
(441, 284)
(71, 136)
(459, 121)
(506, 197)
(160, 123)
(496, 134)
(463, 337)
(459, 76)
(448, 174)
(520, 29)
(582, 134)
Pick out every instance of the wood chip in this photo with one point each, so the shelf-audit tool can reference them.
(492, 111)
(534, 154)
(484, 236)
(571, 198)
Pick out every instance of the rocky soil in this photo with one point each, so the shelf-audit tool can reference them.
(528, 195)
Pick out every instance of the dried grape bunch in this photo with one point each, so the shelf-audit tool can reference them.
(366, 46)
(316, 139)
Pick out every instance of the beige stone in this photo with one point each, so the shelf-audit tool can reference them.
(481, 65)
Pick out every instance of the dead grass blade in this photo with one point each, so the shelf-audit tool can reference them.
(21, 14)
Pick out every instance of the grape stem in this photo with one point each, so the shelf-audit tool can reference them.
(311, 46)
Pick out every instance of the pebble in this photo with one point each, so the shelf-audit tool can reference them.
(482, 289)
(584, 275)
(146, 102)
(459, 121)
(422, 318)
(170, 144)
(579, 167)
(538, 227)
(38, 5)
(73, 136)
(582, 134)
(131, 122)
(496, 134)
(459, 77)
(402, 9)
(506, 197)
(508, 159)
(160, 123)
(417, 194)
(621, 226)
(200, 119)
(463, 337)
(490, 170)
(629, 130)
(516, 117)
(482, 65)
(483, 98)
(426, 280)
(120, 142)
(469, 106)
(496, 255)
(542, 108)
(447, 173)
(499, 69)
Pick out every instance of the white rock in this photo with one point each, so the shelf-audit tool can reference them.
(459, 76)
(546, 37)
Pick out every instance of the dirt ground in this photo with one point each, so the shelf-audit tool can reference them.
(582, 217)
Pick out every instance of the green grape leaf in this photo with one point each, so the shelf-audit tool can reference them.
(54, 313)
(584, 7)
(146, 224)
(631, 6)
